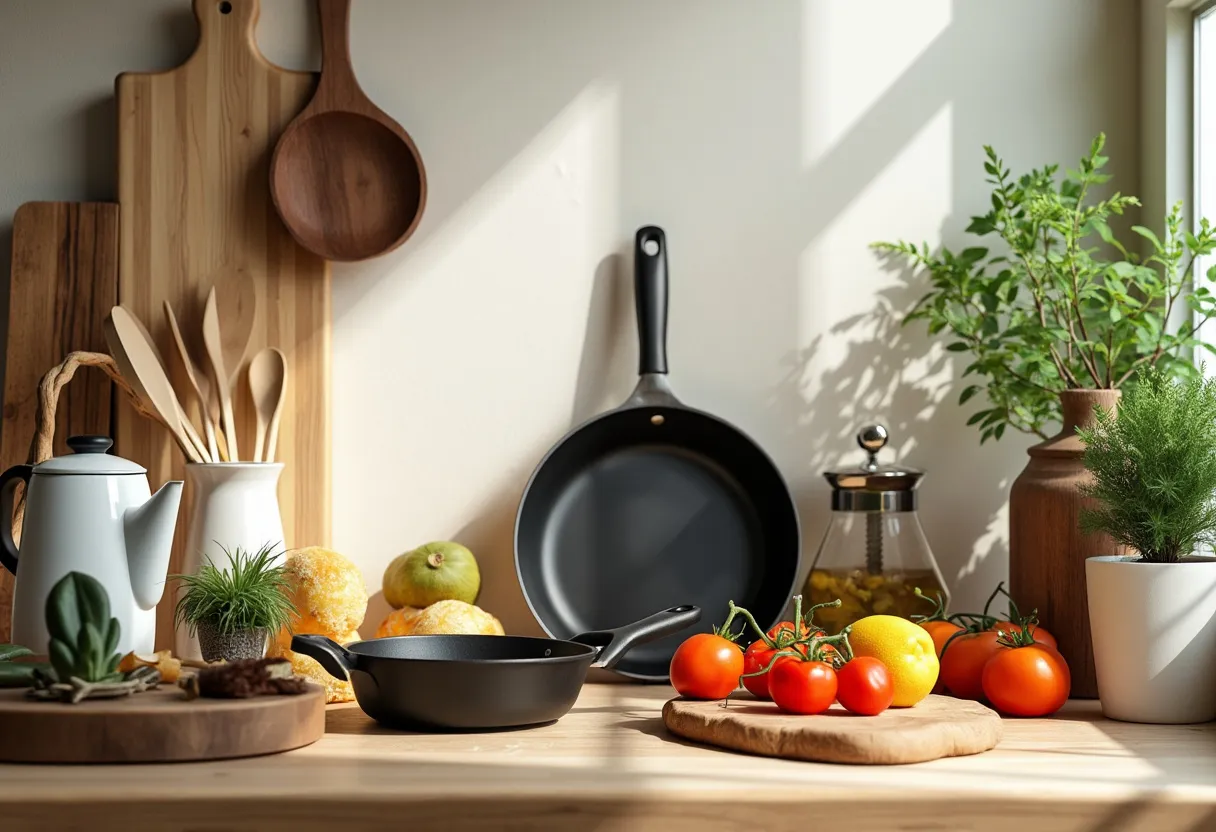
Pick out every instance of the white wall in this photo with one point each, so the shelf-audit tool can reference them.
(771, 140)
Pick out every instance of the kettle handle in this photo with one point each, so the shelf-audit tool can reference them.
(8, 491)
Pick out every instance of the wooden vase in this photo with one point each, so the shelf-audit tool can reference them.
(1047, 550)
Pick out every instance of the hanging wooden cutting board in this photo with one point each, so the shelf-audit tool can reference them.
(194, 147)
(64, 281)
(939, 726)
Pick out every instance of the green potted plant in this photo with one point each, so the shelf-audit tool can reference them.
(1057, 317)
(1153, 613)
(234, 611)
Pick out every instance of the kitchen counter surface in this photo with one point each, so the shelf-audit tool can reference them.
(609, 765)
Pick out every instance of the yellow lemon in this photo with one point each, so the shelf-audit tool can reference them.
(906, 650)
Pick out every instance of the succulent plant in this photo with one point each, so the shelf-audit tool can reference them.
(84, 637)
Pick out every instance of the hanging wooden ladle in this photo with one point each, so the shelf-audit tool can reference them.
(346, 179)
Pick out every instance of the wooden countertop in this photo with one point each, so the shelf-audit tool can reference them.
(610, 765)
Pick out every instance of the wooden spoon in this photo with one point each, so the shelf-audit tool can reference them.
(198, 383)
(268, 384)
(140, 365)
(213, 343)
(346, 179)
(236, 303)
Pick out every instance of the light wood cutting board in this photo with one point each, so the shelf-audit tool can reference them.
(939, 726)
(194, 147)
(156, 726)
(64, 281)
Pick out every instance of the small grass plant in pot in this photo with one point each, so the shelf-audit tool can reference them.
(1153, 614)
(234, 610)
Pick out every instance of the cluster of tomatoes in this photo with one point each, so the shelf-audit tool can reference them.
(1013, 664)
(802, 670)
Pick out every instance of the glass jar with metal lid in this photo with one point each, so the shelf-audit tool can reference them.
(874, 555)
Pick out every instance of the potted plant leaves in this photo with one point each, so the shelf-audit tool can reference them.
(1153, 614)
(234, 610)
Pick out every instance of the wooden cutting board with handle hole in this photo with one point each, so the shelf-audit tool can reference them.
(64, 281)
(940, 726)
(193, 182)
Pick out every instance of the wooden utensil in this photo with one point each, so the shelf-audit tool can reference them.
(194, 146)
(345, 177)
(213, 343)
(156, 726)
(141, 367)
(268, 386)
(64, 283)
(939, 726)
(198, 382)
(236, 305)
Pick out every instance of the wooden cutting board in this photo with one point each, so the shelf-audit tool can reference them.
(64, 281)
(940, 726)
(193, 181)
(156, 726)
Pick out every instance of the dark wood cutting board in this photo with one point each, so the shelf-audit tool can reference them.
(156, 726)
(940, 726)
(64, 282)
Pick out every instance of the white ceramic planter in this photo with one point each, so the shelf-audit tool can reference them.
(231, 504)
(1154, 636)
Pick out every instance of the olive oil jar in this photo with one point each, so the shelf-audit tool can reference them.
(874, 555)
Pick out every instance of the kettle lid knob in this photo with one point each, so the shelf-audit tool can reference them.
(90, 444)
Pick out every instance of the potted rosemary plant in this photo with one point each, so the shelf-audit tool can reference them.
(235, 610)
(1057, 315)
(1153, 613)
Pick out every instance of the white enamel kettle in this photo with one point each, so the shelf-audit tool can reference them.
(91, 512)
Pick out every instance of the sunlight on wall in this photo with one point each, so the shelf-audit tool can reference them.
(862, 68)
(864, 362)
(549, 215)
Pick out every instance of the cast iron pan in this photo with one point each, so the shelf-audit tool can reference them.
(653, 504)
(472, 682)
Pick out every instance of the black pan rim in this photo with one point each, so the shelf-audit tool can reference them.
(674, 404)
(590, 651)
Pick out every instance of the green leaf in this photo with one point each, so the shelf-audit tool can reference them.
(1148, 235)
(113, 631)
(13, 651)
(958, 346)
(998, 433)
(977, 417)
(967, 393)
(1116, 315)
(63, 659)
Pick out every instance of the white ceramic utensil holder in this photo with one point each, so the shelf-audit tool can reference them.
(232, 504)
(1154, 635)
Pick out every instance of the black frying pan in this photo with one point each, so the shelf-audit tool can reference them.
(653, 504)
(469, 682)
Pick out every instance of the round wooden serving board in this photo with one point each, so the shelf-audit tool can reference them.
(940, 726)
(156, 726)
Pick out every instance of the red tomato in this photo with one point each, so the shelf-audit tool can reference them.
(962, 663)
(706, 666)
(1027, 681)
(864, 686)
(1040, 635)
(757, 657)
(800, 687)
(940, 632)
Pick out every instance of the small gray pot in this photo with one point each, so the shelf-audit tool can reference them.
(243, 644)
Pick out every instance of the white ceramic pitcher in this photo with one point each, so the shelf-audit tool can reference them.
(90, 512)
(232, 504)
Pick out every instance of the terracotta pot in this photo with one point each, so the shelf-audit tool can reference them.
(1047, 551)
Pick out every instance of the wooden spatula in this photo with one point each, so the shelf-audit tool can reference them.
(199, 384)
(213, 343)
(141, 367)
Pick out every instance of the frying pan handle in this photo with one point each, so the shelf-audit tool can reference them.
(650, 295)
(616, 643)
(335, 658)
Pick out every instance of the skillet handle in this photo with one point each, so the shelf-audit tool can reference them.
(616, 643)
(329, 654)
(650, 297)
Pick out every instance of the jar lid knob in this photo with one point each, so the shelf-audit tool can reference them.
(872, 439)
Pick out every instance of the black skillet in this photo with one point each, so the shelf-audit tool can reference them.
(471, 682)
(654, 503)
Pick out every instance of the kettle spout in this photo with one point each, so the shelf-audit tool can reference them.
(149, 533)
